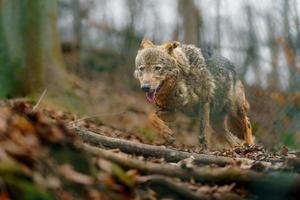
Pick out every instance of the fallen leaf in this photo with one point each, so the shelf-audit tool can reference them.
(22, 124)
(70, 174)
(105, 165)
(284, 150)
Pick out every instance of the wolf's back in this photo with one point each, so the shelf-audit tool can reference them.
(214, 62)
(220, 68)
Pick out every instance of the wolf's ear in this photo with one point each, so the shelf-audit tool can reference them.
(170, 46)
(146, 44)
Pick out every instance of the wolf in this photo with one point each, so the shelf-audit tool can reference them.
(180, 77)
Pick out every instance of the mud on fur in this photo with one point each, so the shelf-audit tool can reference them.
(179, 77)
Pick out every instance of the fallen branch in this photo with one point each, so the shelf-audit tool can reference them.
(171, 188)
(278, 183)
(146, 150)
(180, 190)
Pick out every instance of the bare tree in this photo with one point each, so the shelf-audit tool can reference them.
(289, 47)
(29, 32)
(273, 78)
(297, 26)
(252, 58)
(218, 26)
(190, 21)
(77, 29)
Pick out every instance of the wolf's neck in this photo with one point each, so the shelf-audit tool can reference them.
(165, 97)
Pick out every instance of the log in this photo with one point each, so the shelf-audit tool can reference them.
(171, 188)
(262, 184)
(180, 191)
(146, 150)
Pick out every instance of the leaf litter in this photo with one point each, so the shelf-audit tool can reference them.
(41, 156)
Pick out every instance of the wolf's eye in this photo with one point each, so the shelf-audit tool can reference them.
(157, 68)
(141, 69)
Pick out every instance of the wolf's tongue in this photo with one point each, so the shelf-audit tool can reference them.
(151, 97)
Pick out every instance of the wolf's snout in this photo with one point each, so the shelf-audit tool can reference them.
(146, 88)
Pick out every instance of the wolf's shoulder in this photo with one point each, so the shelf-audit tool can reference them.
(194, 55)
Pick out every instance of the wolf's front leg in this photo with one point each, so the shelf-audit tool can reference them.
(204, 134)
(160, 120)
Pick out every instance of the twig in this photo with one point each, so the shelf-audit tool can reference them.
(39, 101)
(279, 183)
(146, 150)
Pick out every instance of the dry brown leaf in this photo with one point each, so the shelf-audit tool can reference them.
(109, 181)
(93, 194)
(65, 195)
(70, 174)
(284, 150)
(55, 134)
(105, 165)
(13, 149)
(53, 182)
(3, 125)
(133, 174)
(226, 188)
(22, 124)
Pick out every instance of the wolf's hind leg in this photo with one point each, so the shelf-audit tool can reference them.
(240, 124)
(238, 120)
(221, 137)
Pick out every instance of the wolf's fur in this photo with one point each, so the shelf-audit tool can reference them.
(182, 77)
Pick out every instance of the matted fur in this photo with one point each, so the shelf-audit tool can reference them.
(182, 77)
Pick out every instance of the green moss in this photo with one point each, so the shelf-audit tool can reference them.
(289, 140)
(122, 176)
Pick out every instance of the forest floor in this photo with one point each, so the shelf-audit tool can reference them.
(118, 102)
(49, 153)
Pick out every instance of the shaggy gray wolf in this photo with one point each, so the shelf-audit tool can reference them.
(182, 77)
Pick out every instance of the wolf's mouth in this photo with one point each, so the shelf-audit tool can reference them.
(151, 96)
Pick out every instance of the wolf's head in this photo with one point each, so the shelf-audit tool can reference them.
(154, 64)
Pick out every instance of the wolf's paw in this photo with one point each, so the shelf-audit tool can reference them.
(202, 142)
(170, 139)
(201, 139)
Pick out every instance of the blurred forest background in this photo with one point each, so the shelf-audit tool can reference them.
(80, 55)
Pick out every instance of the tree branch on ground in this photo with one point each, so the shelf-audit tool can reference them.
(278, 183)
(180, 190)
(146, 150)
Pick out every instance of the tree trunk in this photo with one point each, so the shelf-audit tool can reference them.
(252, 56)
(273, 78)
(190, 21)
(218, 26)
(29, 33)
(77, 31)
(11, 54)
(290, 49)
